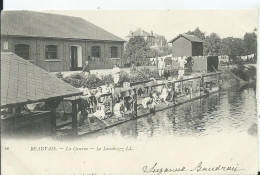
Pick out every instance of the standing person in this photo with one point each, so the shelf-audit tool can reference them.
(161, 66)
(86, 69)
(116, 71)
(182, 61)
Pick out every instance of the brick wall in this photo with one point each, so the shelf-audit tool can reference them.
(63, 61)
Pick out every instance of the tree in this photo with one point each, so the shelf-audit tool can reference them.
(250, 40)
(212, 44)
(166, 49)
(152, 53)
(233, 47)
(197, 33)
(160, 40)
(136, 48)
(158, 52)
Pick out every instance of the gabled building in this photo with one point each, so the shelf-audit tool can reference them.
(153, 40)
(57, 42)
(186, 45)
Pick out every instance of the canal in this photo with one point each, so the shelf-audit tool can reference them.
(221, 113)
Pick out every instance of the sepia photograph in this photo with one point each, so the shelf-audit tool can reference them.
(122, 92)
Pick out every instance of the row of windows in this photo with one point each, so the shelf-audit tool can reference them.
(23, 51)
(96, 52)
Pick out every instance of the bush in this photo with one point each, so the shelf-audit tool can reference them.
(173, 71)
(92, 81)
(59, 75)
(245, 73)
(123, 77)
(74, 80)
(143, 74)
(107, 79)
(81, 80)
(251, 72)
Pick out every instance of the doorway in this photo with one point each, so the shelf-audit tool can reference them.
(76, 58)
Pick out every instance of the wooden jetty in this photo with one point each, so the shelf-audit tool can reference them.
(199, 87)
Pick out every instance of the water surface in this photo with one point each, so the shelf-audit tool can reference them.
(223, 112)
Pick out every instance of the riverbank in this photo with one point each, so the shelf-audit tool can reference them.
(236, 77)
(134, 104)
(232, 77)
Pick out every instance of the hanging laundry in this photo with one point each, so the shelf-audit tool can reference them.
(182, 61)
(244, 58)
(174, 58)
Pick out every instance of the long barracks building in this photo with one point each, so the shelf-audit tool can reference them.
(57, 42)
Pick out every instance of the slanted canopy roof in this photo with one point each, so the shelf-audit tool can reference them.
(191, 38)
(46, 25)
(22, 82)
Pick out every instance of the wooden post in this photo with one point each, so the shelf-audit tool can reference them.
(74, 118)
(51, 105)
(173, 90)
(191, 89)
(111, 104)
(202, 81)
(135, 104)
(53, 120)
(200, 85)
(218, 81)
(181, 87)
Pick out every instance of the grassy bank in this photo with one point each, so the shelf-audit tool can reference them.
(237, 77)
(231, 78)
(92, 80)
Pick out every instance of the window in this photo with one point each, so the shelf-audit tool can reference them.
(95, 51)
(22, 50)
(113, 52)
(51, 52)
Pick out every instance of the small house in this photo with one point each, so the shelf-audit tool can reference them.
(186, 45)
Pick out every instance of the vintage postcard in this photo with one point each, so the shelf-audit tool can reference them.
(129, 92)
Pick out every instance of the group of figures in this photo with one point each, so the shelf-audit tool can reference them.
(180, 60)
(106, 101)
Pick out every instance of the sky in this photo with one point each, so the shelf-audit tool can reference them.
(170, 23)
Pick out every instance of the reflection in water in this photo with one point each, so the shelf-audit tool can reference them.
(222, 112)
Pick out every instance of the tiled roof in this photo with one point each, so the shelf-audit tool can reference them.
(46, 25)
(23, 82)
(139, 32)
(191, 38)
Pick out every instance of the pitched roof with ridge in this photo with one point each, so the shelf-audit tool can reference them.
(22, 82)
(191, 38)
(138, 32)
(46, 25)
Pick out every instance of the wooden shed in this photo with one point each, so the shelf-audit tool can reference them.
(186, 45)
(205, 63)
